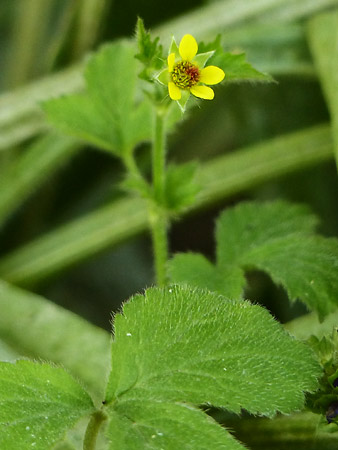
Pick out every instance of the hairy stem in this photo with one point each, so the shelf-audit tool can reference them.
(92, 430)
(157, 216)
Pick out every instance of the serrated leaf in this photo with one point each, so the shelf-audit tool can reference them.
(277, 238)
(307, 268)
(150, 51)
(180, 186)
(252, 224)
(111, 114)
(39, 403)
(237, 69)
(189, 346)
(235, 66)
(196, 270)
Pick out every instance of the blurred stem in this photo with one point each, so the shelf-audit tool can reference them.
(159, 157)
(157, 216)
(28, 30)
(90, 17)
(93, 429)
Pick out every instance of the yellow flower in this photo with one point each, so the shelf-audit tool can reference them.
(186, 72)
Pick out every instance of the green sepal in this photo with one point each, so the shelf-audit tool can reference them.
(163, 77)
(173, 47)
(201, 58)
(182, 102)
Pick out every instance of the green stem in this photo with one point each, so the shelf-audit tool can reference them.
(159, 226)
(92, 431)
(158, 218)
(159, 157)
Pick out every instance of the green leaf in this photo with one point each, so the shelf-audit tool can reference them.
(220, 178)
(250, 225)
(277, 238)
(37, 328)
(39, 403)
(140, 424)
(111, 114)
(177, 347)
(237, 69)
(235, 66)
(323, 35)
(306, 267)
(150, 51)
(180, 186)
(196, 270)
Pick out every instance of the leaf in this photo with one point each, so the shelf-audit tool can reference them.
(178, 347)
(237, 69)
(252, 224)
(220, 178)
(140, 424)
(323, 35)
(150, 51)
(180, 186)
(235, 66)
(196, 270)
(277, 238)
(36, 327)
(38, 404)
(306, 267)
(111, 114)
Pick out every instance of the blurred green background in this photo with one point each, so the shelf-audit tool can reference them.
(41, 38)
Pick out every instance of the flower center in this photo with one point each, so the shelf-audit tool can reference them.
(185, 74)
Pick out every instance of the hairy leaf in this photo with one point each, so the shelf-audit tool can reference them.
(38, 404)
(277, 238)
(110, 114)
(140, 424)
(36, 327)
(178, 347)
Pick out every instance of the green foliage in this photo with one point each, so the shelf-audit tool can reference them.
(277, 238)
(325, 399)
(150, 51)
(110, 114)
(180, 186)
(38, 404)
(235, 66)
(38, 328)
(144, 423)
(177, 347)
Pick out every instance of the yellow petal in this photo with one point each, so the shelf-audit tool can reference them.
(211, 75)
(188, 47)
(171, 61)
(202, 92)
(174, 91)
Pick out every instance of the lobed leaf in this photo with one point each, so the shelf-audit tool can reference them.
(237, 69)
(110, 114)
(277, 238)
(178, 347)
(38, 404)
